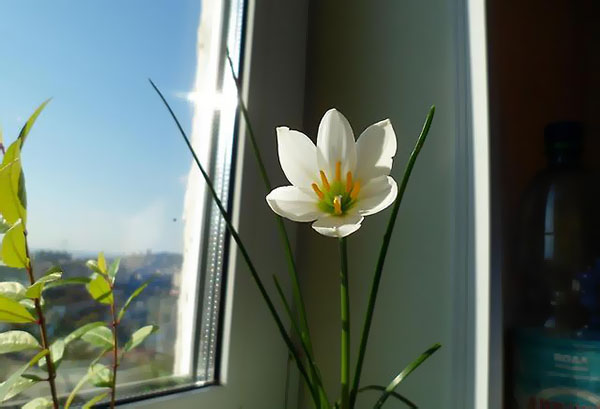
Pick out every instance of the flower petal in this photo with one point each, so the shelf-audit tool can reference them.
(294, 204)
(335, 141)
(376, 195)
(298, 157)
(375, 148)
(338, 226)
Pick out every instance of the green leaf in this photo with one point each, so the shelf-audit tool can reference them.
(29, 304)
(93, 265)
(35, 290)
(32, 377)
(14, 253)
(114, 269)
(76, 389)
(29, 124)
(13, 290)
(100, 337)
(94, 400)
(57, 351)
(137, 292)
(38, 403)
(102, 263)
(15, 341)
(79, 332)
(139, 336)
(11, 207)
(18, 387)
(6, 386)
(100, 289)
(396, 395)
(405, 372)
(101, 375)
(12, 311)
(67, 281)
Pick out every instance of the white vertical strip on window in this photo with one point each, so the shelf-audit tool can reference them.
(481, 197)
(216, 241)
(204, 98)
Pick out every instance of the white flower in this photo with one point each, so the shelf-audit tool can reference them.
(339, 181)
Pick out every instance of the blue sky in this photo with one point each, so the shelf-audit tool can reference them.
(105, 168)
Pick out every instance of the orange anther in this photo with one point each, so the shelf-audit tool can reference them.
(318, 191)
(338, 171)
(348, 182)
(324, 181)
(355, 190)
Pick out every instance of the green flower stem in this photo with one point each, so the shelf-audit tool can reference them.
(297, 294)
(383, 252)
(345, 314)
(44, 335)
(244, 252)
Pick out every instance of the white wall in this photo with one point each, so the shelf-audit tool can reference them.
(372, 60)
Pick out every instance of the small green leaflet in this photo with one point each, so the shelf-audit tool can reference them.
(100, 289)
(29, 124)
(57, 350)
(114, 269)
(139, 336)
(15, 341)
(13, 290)
(102, 263)
(137, 292)
(6, 386)
(14, 253)
(100, 337)
(19, 386)
(67, 281)
(76, 389)
(78, 333)
(11, 207)
(35, 290)
(94, 400)
(101, 376)
(38, 403)
(12, 311)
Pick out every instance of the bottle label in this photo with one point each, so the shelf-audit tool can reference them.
(556, 372)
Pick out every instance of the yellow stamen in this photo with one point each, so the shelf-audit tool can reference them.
(337, 204)
(318, 191)
(324, 181)
(355, 190)
(338, 171)
(348, 182)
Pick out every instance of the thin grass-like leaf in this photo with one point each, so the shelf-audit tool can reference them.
(242, 248)
(405, 372)
(383, 253)
(396, 395)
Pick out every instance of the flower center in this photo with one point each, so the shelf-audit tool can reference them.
(337, 197)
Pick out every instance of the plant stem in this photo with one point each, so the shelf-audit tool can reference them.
(383, 252)
(292, 270)
(43, 332)
(345, 314)
(113, 388)
(299, 301)
(244, 252)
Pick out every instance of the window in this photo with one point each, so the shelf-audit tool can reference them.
(107, 171)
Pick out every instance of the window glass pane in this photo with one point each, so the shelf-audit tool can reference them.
(107, 171)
